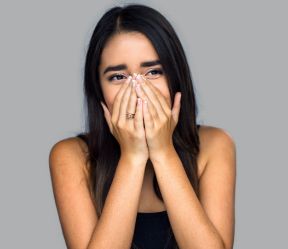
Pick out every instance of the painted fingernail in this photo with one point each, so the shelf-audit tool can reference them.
(139, 101)
(134, 83)
(141, 79)
(129, 79)
(138, 89)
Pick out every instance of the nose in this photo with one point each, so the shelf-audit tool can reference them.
(134, 75)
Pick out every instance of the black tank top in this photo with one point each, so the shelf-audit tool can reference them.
(152, 231)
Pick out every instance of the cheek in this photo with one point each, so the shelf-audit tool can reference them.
(109, 96)
(165, 92)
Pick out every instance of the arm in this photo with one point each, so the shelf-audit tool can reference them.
(208, 223)
(115, 228)
(82, 229)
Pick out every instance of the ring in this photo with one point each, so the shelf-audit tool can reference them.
(130, 115)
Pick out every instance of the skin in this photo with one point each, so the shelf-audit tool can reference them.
(132, 49)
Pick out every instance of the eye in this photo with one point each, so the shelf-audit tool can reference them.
(155, 72)
(119, 77)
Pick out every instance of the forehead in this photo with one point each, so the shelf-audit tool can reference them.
(128, 47)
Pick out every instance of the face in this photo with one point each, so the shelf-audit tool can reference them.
(125, 54)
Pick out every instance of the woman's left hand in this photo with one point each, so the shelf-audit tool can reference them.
(159, 120)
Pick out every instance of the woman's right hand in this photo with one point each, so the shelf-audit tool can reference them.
(129, 133)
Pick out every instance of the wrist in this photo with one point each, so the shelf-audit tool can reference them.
(160, 156)
(132, 159)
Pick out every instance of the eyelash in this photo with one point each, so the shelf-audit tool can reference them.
(115, 75)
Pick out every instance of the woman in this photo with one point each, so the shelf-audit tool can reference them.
(144, 175)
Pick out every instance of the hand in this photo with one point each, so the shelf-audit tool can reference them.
(159, 120)
(129, 133)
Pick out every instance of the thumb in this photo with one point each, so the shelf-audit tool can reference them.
(176, 107)
(107, 115)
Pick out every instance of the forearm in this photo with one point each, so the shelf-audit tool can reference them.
(115, 227)
(191, 225)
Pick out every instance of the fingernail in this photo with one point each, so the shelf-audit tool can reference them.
(139, 100)
(138, 90)
(140, 78)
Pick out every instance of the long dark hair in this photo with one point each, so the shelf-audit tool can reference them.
(103, 149)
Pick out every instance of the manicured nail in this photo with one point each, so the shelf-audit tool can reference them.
(140, 78)
(138, 90)
(139, 100)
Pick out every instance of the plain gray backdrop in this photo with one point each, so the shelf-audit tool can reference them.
(237, 52)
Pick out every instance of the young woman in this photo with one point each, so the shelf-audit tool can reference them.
(144, 175)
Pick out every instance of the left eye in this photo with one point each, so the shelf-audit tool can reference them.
(157, 71)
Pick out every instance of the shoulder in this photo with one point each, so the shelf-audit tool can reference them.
(215, 142)
(211, 137)
(68, 150)
(217, 183)
(71, 189)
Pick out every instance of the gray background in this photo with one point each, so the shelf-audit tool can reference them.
(237, 52)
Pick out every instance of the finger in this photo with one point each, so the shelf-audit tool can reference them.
(157, 92)
(117, 100)
(107, 116)
(176, 107)
(138, 119)
(124, 104)
(152, 97)
(144, 97)
(132, 102)
(148, 120)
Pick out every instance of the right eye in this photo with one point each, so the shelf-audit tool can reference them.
(116, 75)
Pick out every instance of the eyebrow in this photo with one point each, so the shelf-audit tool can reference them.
(124, 66)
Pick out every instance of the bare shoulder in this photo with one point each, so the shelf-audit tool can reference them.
(218, 180)
(75, 205)
(72, 148)
(213, 140)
